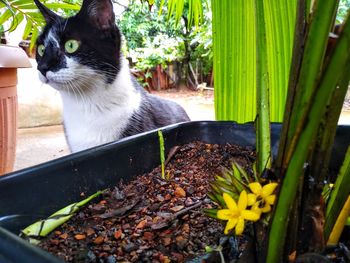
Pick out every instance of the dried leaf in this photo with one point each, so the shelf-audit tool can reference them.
(118, 234)
(142, 224)
(179, 192)
(166, 241)
(90, 231)
(99, 240)
(64, 236)
(80, 236)
(177, 208)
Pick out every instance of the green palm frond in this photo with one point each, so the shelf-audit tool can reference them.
(15, 12)
(235, 70)
(179, 9)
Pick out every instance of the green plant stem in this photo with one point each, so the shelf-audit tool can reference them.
(298, 52)
(327, 130)
(311, 66)
(339, 195)
(339, 224)
(161, 152)
(332, 74)
(263, 104)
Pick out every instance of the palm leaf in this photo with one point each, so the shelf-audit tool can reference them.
(263, 141)
(19, 10)
(27, 29)
(44, 227)
(176, 9)
(234, 42)
(6, 16)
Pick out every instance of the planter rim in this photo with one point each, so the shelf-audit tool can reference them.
(13, 57)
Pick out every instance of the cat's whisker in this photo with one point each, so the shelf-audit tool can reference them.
(109, 64)
(81, 94)
(73, 90)
(65, 24)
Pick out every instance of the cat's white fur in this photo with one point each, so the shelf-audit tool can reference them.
(116, 103)
(93, 117)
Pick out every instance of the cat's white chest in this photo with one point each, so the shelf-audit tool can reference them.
(87, 126)
(101, 116)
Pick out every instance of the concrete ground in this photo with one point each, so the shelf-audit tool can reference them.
(39, 145)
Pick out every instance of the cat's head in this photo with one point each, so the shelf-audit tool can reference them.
(80, 51)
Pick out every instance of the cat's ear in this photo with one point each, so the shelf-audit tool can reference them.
(99, 12)
(48, 15)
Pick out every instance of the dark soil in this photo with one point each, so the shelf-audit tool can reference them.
(150, 219)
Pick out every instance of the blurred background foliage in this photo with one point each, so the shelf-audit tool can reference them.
(344, 5)
(152, 35)
(157, 32)
(154, 38)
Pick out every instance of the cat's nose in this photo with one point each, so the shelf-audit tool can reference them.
(43, 68)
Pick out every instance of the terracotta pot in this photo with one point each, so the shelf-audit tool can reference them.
(11, 58)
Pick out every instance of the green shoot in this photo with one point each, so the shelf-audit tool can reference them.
(161, 152)
(43, 227)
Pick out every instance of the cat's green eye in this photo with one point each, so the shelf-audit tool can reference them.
(71, 46)
(41, 50)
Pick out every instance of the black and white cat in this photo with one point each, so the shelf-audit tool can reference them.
(80, 57)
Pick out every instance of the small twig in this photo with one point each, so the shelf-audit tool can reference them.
(120, 211)
(184, 211)
(171, 154)
(167, 219)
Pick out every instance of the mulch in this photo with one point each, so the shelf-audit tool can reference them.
(150, 219)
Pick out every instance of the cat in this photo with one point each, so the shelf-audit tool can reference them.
(81, 57)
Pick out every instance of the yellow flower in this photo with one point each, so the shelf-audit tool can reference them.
(262, 195)
(236, 214)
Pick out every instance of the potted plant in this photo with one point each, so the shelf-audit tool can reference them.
(13, 13)
(96, 169)
(11, 58)
(303, 138)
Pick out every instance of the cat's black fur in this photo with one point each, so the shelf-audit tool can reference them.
(100, 49)
(93, 35)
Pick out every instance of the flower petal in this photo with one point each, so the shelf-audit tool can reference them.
(266, 208)
(256, 209)
(230, 224)
(270, 199)
(268, 189)
(250, 215)
(231, 204)
(240, 226)
(224, 214)
(255, 188)
(242, 201)
(251, 199)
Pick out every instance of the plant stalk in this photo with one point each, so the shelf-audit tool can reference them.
(306, 132)
(339, 196)
(263, 104)
(308, 77)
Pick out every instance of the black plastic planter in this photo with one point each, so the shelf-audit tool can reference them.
(36, 192)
